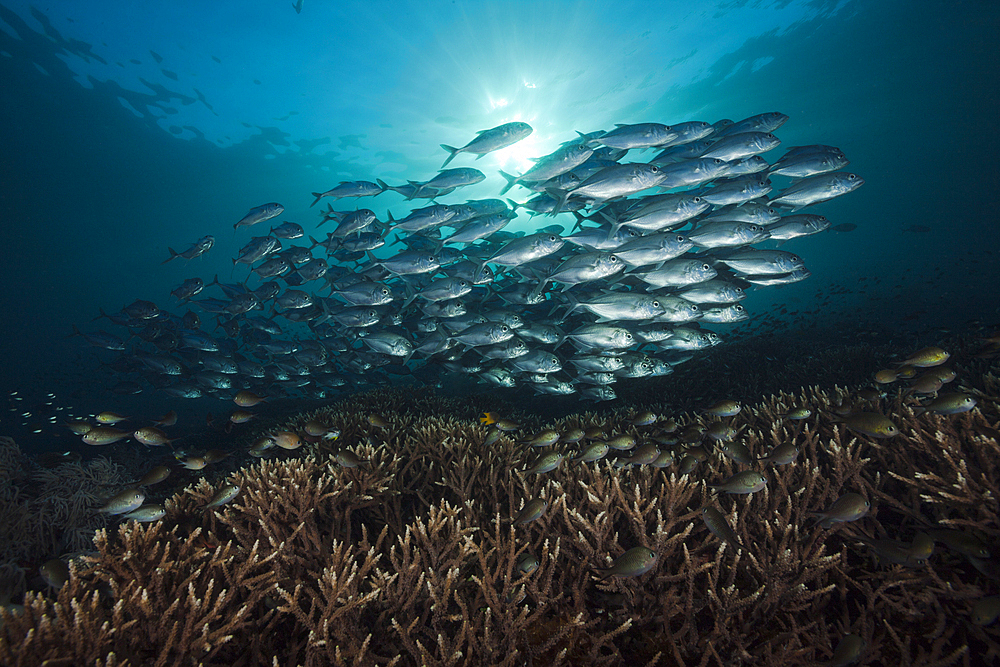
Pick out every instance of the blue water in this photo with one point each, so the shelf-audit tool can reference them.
(131, 127)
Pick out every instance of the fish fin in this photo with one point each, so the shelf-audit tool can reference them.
(173, 253)
(451, 149)
(615, 226)
(417, 187)
(511, 181)
(318, 196)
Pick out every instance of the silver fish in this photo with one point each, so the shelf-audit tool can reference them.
(490, 140)
(260, 214)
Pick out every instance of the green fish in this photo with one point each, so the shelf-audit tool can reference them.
(545, 464)
(716, 522)
(155, 475)
(644, 454)
(961, 542)
(632, 563)
(849, 507)
(643, 419)
(492, 436)
(744, 482)
(870, 423)
(948, 404)
(622, 442)
(124, 502)
(664, 460)
(105, 435)
(783, 454)
(688, 464)
(595, 452)
(927, 357)
(893, 552)
(147, 513)
(349, 459)
(721, 431)
(544, 438)
(848, 651)
(55, 573)
(223, 495)
(921, 548)
(532, 510)
(573, 435)
(985, 610)
(526, 563)
(737, 451)
(726, 408)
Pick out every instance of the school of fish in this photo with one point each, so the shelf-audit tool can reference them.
(660, 247)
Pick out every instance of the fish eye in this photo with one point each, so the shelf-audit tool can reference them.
(504, 327)
(553, 238)
(385, 291)
(738, 308)
(654, 169)
(628, 336)
(851, 176)
(656, 304)
(739, 290)
(697, 200)
(680, 238)
(706, 266)
(613, 258)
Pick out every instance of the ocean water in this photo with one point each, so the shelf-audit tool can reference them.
(128, 128)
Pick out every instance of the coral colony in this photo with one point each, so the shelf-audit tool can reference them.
(400, 528)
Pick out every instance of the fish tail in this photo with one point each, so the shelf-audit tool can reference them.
(614, 230)
(173, 253)
(417, 187)
(318, 196)
(452, 150)
(488, 418)
(511, 181)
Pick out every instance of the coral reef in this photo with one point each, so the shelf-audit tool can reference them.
(47, 512)
(413, 558)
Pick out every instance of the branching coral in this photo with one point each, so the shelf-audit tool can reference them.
(413, 558)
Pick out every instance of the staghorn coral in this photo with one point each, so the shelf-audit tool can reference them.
(413, 559)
